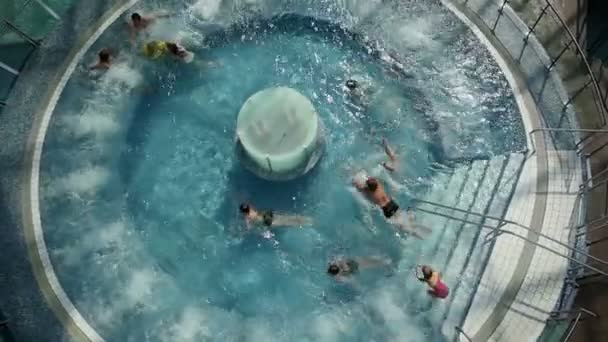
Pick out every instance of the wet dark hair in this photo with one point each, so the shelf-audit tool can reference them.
(172, 48)
(372, 184)
(427, 272)
(104, 55)
(244, 208)
(333, 269)
(135, 16)
(351, 84)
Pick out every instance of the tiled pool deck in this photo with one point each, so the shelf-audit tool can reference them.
(522, 283)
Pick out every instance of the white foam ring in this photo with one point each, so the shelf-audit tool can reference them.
(59, 292)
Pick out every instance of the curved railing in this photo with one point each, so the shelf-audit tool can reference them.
(548, 54)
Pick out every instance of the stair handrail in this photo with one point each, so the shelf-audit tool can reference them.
(577, 318)
(501, 231)
(566, 130)
(461, 332)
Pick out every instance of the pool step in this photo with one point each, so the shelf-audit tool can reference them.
(447, 233)
(446, 189)
(463, 269)
(456, 248)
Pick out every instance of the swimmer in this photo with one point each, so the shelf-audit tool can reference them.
(140, 23)
(269, 219)
(341, 269)
(375, 193)
(437, 287)
(179, 52)
(354, 90)
(155, 49)
(105, 60)
(391, 165)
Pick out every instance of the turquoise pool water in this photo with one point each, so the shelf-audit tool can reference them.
(141, 186)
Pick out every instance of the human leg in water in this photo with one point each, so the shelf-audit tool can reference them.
(406, 223)
(373, 262)
(291, 221)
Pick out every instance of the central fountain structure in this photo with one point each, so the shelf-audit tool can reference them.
(279, 135)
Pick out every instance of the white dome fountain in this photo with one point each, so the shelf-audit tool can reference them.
(279, 135)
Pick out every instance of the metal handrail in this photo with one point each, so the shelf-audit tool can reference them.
(581, 52)
(501, 231)
(567, 130)
(460, 331)
(577, 311)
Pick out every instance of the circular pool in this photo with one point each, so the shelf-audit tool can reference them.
(140, 187)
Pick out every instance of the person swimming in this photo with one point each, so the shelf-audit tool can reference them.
(269, 219)
(354, 90)
(155, 49)
(341, 269)
(375, 193)
(104, 61)
(141, 23)
(180, 52)
(437, 287)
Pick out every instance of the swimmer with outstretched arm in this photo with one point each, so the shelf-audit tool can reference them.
(141, 23)
(341, 269)
(375, 193)
(391, 165)
(269, 219)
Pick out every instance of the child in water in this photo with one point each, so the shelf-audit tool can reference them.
(438, 288)
(156, 49)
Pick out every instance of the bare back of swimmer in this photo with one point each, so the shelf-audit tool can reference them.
(375, 193)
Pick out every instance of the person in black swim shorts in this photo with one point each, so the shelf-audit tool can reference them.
(374, 191)
(270, 219)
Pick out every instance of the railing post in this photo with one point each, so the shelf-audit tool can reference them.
(578, 92)
(538, 19)
(554, 61)
(500, 11)
(460, 331)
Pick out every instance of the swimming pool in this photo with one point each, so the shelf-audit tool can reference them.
(140, 186)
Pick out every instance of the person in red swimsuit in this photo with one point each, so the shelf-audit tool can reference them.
(438, 288)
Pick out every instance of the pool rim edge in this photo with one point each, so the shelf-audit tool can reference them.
(50, 287)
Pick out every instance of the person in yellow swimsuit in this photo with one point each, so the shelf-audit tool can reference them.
(155, 49)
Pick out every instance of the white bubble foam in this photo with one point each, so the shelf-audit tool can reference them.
(85, 181)
(206, 9)
(140, 285)
(328, 327)
(98, 123)
(121, 73)
(190, 326)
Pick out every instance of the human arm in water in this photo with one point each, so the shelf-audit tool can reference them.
(390, 153)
